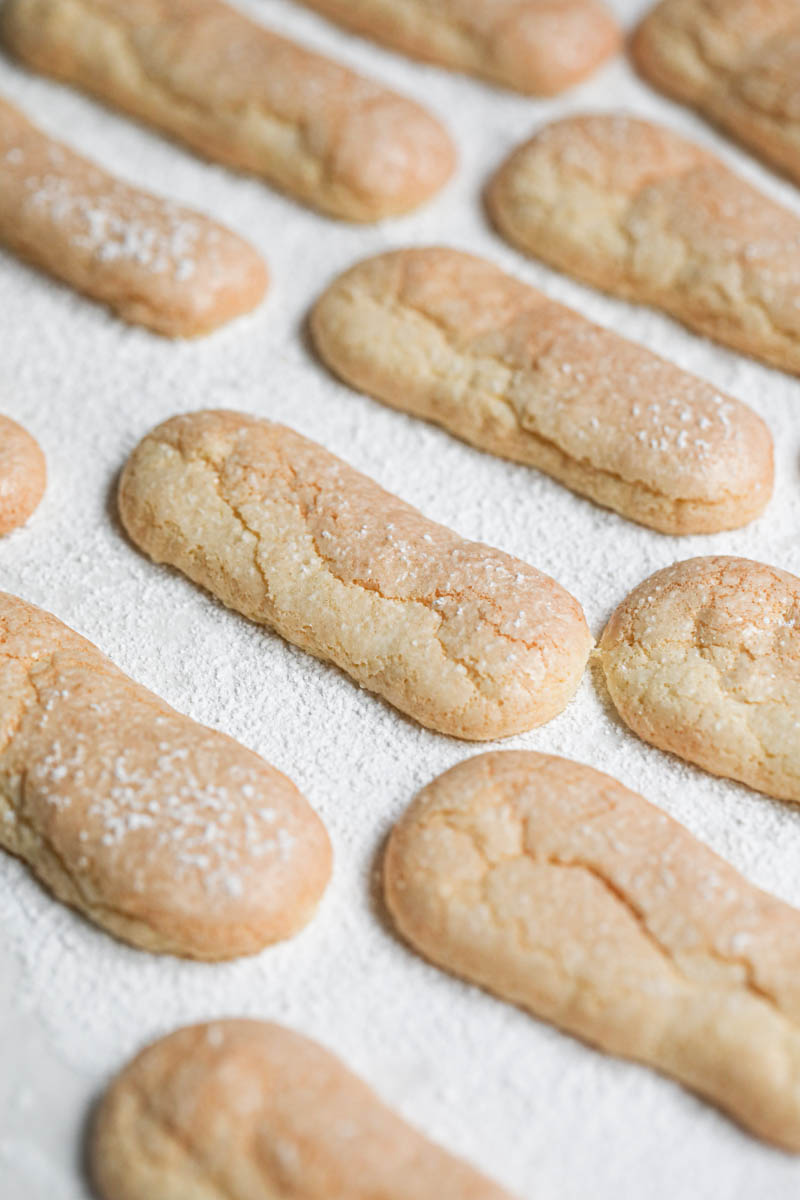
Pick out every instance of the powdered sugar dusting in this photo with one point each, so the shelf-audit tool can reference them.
(542, 1113)
(118, 225)
(199, 810)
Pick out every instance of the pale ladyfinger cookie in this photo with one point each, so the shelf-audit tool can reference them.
(152, 261)
(249, 1109)
(451, 338)
(555, 887)
(166, 834)
(539, 47)
(703, 659)
(737, 61)
(239, 94)
(641, 212)
(23, 475)
(467, 640)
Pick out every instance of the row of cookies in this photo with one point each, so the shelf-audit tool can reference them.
(241, 95)
(557, 889)
(620, 203)
(465, 639)
(111, 796)
(623, 204)
(554, 887)
(700, 660)
(122, 1122)
(451, 338)
(238, 94)
(708, 1025)
(735, 61)
(714, 1021)
(543, 386)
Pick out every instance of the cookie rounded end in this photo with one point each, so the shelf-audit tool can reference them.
(23, 475)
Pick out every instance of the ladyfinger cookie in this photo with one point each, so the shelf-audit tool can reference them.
(737, 61)
(203, 73)
(23, 475)
(645, 214)
(247, 1108)
(539, 47)
(702, 659)
(150, 260)
(451, 338)
(467, 640)
(166, 834)
(558, 889)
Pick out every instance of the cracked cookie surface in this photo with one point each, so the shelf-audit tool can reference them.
(23, 475)
(152, 261)
(642, 213)
(169, 835)
(703, 659)
(244, 1109)
(737, 62)
(555, 887)
(538, 47)
(467, 640)
(239, 94)
(450, 337)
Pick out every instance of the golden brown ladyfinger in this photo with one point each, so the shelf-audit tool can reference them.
(467, 640)
(152, 261)
(241, 95)
(555, 887)
(168, 835)
(247, 1109)
(450, 337)
(737, 62)
(641, 212)
(703, 659)
(539, 47)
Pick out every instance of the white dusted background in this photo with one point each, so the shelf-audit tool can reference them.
(545, 1115)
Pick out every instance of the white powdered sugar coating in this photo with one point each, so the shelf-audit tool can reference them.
(151, 234)
(127, 765)
(545, 1115)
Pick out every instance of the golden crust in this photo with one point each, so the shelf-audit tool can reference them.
(703, 659)
(168, 835)
(153, 262)
(451, 338)
(235, 92)
(539, 47)
(23, 475)
(245, 1109)
(645, 214)
(463, 638)
(555, 887)
(737, 62)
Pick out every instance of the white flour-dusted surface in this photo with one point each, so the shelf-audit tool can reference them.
(543, 1114)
